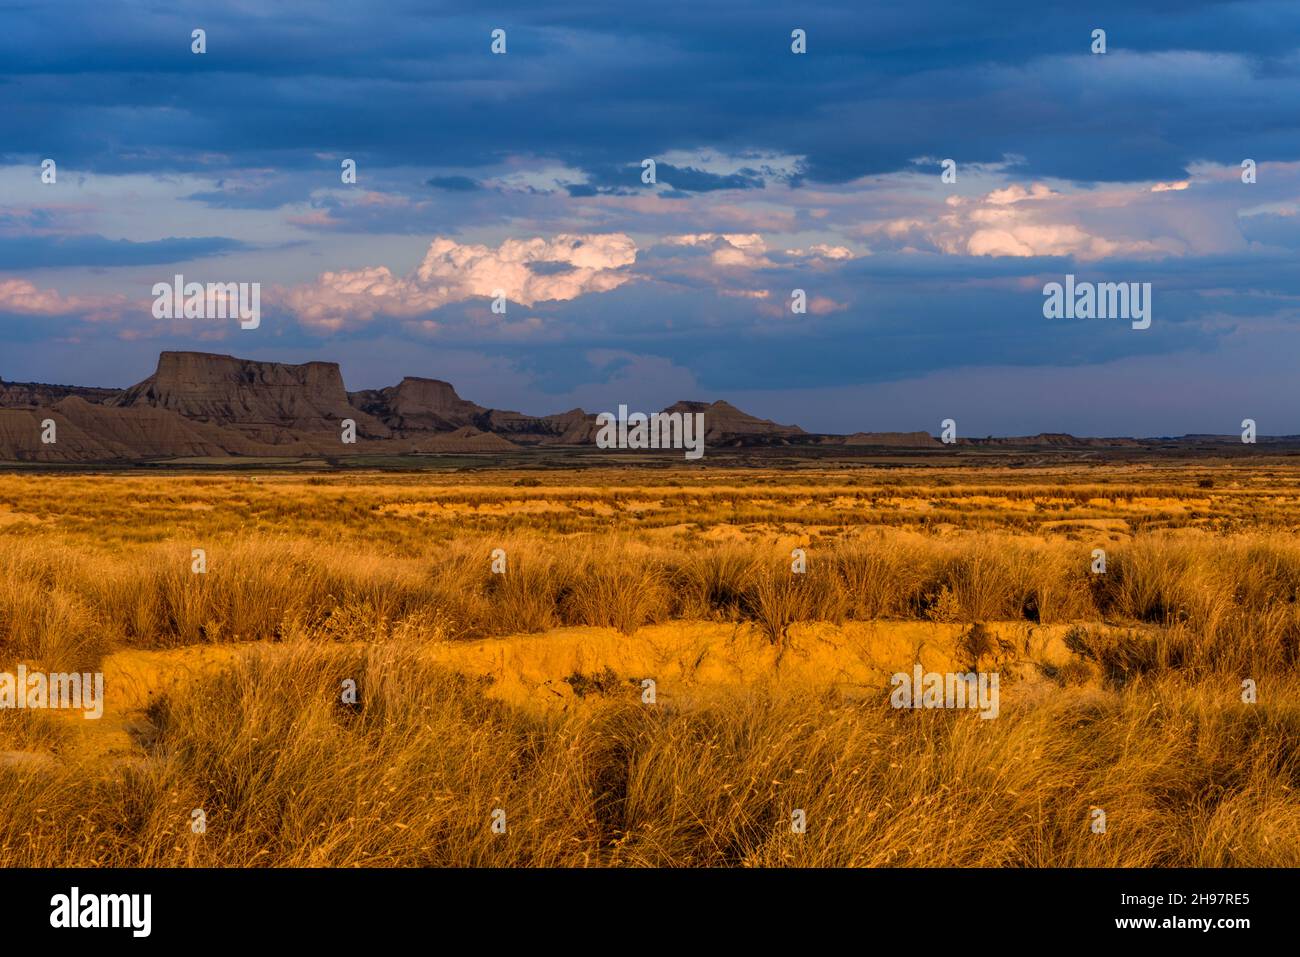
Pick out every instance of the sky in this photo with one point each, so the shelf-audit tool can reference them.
(517, 180)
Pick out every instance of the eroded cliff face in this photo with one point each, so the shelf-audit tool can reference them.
(269, 402)
(419, 404)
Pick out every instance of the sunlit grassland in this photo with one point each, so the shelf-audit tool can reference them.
(319, 576)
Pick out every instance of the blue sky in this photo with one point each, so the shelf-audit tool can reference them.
(775, 171)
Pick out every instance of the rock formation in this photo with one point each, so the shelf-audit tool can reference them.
(200, 405)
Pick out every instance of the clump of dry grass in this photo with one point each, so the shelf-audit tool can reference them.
(526, 596)
(710, 582)
(611, 591)
(980, 582)
(880, 578)
(1122, 656)
(776, 598)
(43, 617)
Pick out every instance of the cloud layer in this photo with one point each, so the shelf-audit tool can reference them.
(521, 176)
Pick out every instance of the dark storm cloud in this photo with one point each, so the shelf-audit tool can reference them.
(109, 87)
(39, 252)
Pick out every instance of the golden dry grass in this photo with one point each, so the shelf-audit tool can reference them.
(1137, 710)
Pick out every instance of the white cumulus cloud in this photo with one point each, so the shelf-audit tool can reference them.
(572, 266)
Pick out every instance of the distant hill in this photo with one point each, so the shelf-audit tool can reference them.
(199, 404)
(894, 440)
(724, 424)
(203, 404)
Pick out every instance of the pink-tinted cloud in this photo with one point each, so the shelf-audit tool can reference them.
(455, 272)
(1037, 221)
(26, 298)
